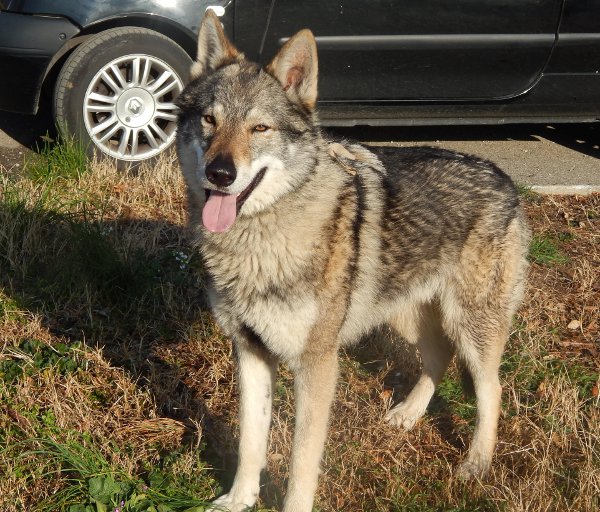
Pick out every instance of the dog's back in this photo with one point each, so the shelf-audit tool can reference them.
(430, 214)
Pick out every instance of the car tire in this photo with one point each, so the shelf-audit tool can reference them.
(115, 94)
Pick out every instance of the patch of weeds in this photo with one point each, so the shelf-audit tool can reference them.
(565, 236)
(175, 265)
(93, 485)
(10, 309)
(182, 258)
(62, 159)
(449, 395)
(592, 214)
(32, 356)
(527, 194)
(544, 250)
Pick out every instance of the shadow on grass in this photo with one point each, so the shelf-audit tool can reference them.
(451, 410)
(89, 280)
(133, 286)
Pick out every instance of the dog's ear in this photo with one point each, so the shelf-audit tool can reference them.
(214, 49)
(296, 68)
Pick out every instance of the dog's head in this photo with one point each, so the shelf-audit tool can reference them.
(246, 134)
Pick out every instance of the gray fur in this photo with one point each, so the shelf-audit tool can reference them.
(330, 245)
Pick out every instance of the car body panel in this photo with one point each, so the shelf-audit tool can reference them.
(381, 62)
(27, 46)
(578, 46)
(416, 50)
(87, 12)
(555, 98)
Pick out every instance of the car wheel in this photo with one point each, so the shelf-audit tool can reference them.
(116, 93)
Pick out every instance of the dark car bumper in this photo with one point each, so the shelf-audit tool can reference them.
(27, 45)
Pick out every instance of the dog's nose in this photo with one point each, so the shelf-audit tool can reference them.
(221, 171)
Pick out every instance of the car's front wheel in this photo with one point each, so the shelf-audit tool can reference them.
(116, 93)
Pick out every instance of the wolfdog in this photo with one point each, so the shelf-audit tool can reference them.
(310, 243)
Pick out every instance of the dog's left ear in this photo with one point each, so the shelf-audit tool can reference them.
(296, 68)
(214, 49)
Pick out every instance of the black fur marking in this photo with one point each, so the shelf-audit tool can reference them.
(357, 224)
(252, 338)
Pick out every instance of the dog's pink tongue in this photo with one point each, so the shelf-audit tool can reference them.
(219, 212)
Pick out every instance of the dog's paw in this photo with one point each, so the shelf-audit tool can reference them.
(473, 467)
(404, 416)
(227, 503)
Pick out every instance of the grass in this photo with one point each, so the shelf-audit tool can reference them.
(545, 250)
(117, 388)
(64, 159)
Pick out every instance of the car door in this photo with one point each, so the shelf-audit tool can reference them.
(382, 50)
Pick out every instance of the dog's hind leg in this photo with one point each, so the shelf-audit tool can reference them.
(480, 353)
(256, 374)
(477, 308)
(424, 329)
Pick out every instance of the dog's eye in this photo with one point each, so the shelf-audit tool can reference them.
(260, 128)
(208, 119)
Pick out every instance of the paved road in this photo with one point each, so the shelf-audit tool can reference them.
(565, 156)
(555, 159)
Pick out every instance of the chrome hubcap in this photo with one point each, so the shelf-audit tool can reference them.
(128, 107)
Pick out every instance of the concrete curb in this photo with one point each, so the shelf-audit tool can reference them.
(566, 190)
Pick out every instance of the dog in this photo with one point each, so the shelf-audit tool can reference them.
(309, 244)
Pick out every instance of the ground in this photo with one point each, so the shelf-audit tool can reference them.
(117, 389)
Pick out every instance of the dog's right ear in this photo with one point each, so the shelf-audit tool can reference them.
(214, 49)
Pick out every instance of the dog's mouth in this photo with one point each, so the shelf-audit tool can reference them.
(220, 210)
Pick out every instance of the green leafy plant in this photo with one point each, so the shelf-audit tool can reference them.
(94, 485)
(32, 355)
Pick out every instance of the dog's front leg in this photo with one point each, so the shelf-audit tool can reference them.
(314, 385)
(256, 375)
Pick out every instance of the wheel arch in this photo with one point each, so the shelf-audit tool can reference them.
(185, 38)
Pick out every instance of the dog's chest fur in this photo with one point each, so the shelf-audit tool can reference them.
(269, 271)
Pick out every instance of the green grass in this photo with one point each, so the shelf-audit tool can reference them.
(526, 193)
(545, 249)
(40, 449)
(64, 159)
(94, 485)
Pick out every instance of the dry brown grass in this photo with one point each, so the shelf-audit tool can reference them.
(163, 376)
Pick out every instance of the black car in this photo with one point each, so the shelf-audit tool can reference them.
(114, 67)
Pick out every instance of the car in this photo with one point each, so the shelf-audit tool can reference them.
(113, 69)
